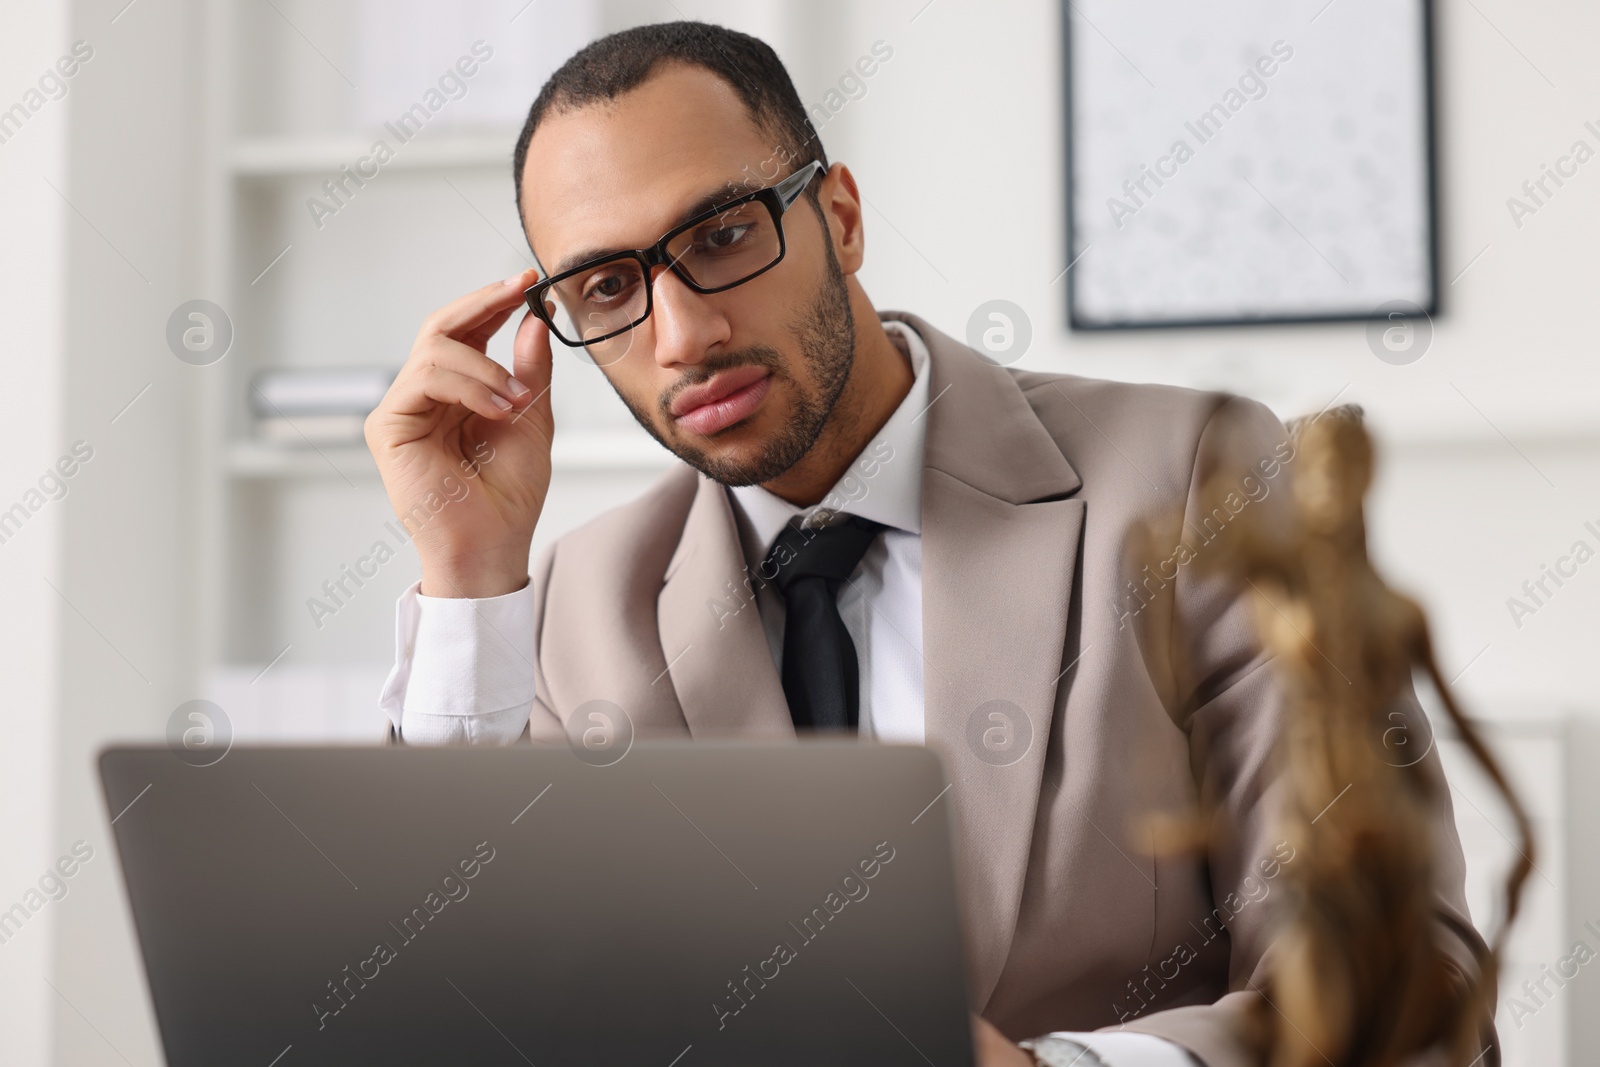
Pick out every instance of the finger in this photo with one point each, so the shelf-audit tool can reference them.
(466, 360)
(478, 336)
(531, 359)
(437, 384)
(476, 308)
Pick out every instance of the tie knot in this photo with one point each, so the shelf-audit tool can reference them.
(830, 552)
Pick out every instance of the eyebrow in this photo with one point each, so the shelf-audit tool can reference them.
(704, 204)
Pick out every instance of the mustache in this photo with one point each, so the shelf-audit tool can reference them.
(754, 356)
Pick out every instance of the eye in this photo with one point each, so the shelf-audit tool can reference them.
(604, 287)
(731, 232)
(725, 237)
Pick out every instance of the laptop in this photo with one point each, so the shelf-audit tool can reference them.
(688, 905)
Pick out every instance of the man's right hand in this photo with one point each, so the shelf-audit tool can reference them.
(464, 447)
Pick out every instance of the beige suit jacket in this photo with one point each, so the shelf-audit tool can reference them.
(1032, 486)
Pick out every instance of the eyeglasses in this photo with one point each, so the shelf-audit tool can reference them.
(726, 246)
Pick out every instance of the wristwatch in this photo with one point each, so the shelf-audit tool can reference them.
(1053, 1051)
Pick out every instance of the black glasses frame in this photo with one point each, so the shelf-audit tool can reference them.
(777, 198)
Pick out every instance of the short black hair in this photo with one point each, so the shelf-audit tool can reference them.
(616, 63)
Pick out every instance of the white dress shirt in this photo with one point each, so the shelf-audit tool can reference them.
(464, 668)
(881, 602)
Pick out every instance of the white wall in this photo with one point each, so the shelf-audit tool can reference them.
(33, 220)
(958, 148)
(128, 541)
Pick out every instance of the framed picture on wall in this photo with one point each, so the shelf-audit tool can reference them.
(1249, 161)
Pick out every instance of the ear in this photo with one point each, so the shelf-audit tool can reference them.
(841, 206)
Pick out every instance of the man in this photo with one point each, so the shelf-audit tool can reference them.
(874, 529)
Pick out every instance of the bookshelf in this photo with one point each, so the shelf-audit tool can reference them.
(297, 91)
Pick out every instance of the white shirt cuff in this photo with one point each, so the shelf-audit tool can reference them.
(1128, 1049)
(463, 668)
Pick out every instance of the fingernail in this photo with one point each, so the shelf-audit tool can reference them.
(517, 389)
(515, 278)
(500, 402)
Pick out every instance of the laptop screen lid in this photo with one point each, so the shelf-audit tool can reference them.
(707, 903)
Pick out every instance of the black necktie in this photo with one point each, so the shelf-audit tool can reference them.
(821, 677)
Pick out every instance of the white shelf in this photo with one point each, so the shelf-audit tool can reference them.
(574, 452)
(258, 459)
(296, 155)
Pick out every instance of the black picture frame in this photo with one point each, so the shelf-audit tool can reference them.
(1432, 308)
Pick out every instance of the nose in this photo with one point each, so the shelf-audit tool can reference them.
(687, 323)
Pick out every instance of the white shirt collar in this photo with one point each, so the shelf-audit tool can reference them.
(883, 484)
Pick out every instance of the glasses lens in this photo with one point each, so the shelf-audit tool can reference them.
(728, 247)
(603, 299)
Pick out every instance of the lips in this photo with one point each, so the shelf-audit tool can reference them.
(726, 399)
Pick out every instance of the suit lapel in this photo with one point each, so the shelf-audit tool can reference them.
(711, 633)
(999, 550)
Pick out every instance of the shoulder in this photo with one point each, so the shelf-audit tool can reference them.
(1133, 407)
(1157, 434)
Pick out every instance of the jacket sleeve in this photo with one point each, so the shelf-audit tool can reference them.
(467, 671)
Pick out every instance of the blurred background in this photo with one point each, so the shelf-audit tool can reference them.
(200, 302)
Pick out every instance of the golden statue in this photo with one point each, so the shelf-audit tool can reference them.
(1355, 976)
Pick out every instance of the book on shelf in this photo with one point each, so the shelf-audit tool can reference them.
(317, 390)
(316, 406)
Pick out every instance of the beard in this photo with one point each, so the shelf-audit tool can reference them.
(826, 334)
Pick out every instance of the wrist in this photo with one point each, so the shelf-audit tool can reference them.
(477, 576)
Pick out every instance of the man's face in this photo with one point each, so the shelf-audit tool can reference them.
(739, 383)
